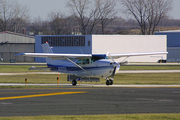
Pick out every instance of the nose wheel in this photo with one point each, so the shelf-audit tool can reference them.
(109, 81)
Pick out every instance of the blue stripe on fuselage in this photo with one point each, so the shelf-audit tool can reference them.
(68, 68)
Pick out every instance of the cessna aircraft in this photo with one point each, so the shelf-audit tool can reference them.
(84, 65)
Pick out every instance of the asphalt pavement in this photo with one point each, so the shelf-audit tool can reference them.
(88, 101)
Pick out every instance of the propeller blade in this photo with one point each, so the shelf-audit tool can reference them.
(109, 55)
(114, 71)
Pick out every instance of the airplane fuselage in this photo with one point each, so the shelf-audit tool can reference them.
(100, 68)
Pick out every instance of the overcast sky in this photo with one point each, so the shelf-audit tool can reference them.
(43, 7)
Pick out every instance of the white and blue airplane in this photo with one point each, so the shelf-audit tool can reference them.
(84, 65)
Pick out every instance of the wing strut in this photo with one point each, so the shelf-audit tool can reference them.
(79, 66)
(124, 60)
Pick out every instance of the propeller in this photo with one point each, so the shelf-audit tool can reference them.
(120, 63)
(114, 71)
(114, 64)
(109, 55)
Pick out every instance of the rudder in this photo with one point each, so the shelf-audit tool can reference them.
(47, 49)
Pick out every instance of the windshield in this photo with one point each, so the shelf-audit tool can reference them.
(98, 57)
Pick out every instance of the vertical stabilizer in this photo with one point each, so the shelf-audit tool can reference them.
(47, 49)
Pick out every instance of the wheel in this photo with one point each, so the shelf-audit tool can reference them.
(110, 82)
(74, 82)
(107, 82)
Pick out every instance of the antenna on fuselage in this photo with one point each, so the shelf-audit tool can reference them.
(81, 51)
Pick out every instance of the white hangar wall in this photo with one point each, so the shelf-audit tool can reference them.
(102, 44)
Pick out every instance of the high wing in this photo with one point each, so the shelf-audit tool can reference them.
(68, 57)
(56, 56)
(118, 55)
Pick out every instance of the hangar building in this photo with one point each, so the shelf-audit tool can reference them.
(14, 43)
(173, 44)
(102, 44)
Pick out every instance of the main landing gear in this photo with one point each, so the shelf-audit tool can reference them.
(109, 81)
(74, 82)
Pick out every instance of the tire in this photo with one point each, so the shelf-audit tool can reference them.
(74, 82)
(110, 82)
(107, 82)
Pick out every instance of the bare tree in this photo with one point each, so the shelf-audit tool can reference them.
(89, 13)
(38, 26)
(107, 12)
(83, 12)
(13, 17)
(148, 13)
(59, 23)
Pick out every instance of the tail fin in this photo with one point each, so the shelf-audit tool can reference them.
(47, 49)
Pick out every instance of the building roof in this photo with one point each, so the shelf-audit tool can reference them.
(169, 31)
(19, 34)
(11, 37)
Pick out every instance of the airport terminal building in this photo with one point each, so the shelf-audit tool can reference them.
(102, 44)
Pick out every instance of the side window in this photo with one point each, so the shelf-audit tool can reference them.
(91, 60)
(83, 62)
(79, 62)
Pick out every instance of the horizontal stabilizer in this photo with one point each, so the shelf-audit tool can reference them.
(39, 68)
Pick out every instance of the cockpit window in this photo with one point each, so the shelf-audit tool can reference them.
(91, 60)
(79, 62)
(83, 61)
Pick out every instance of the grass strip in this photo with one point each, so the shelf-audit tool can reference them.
(17, 68)
(148, 78)
(135, 78)
(150, 67)
(24, 68)
(165, 116)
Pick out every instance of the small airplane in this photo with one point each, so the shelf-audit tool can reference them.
(84, 65)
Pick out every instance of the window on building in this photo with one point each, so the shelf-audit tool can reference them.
(64, 40)
(89, 43)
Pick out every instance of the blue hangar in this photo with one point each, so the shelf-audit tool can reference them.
(173, 44)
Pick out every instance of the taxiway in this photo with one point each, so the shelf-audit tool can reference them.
(88, 101)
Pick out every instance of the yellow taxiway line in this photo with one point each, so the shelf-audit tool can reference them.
(41, 95)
